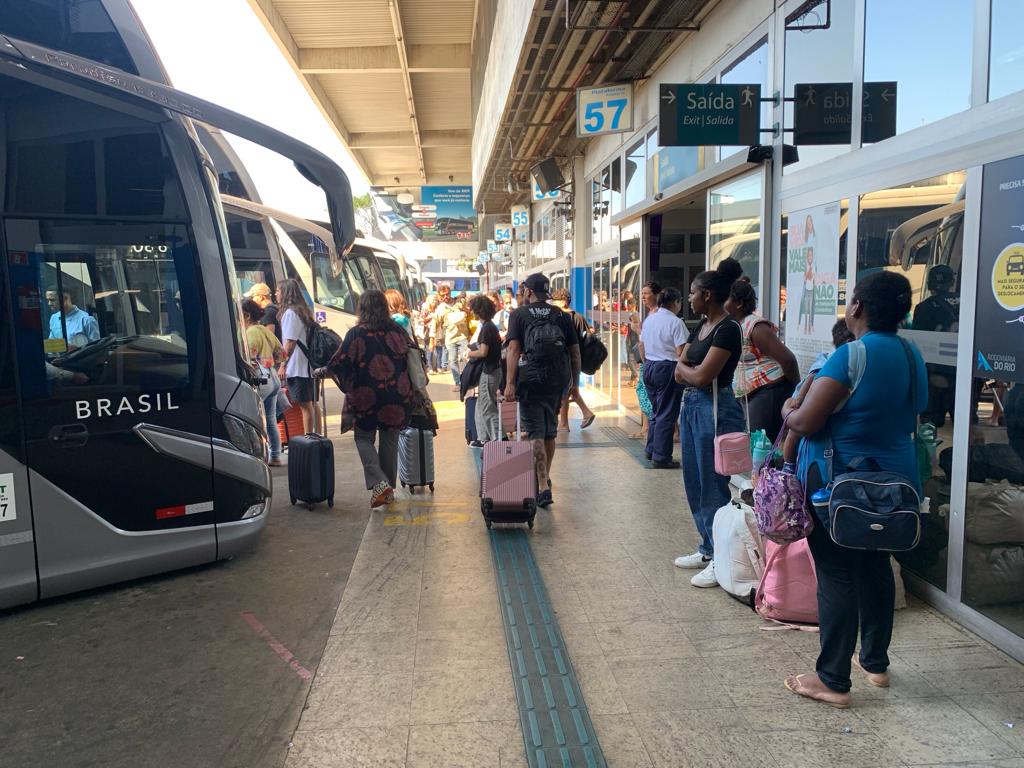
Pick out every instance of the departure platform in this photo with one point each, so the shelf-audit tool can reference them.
(579, 643)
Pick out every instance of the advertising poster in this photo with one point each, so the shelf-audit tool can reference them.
(999, 324)
(426, 213)
(812, 281)
(446, 213)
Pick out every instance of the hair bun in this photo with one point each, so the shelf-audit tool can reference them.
(730, 269)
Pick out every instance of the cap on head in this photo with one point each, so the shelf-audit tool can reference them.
(258, 289)
(538, 284)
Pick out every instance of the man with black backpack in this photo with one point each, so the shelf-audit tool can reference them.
(543, 361)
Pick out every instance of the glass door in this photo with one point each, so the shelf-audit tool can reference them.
(735, 210)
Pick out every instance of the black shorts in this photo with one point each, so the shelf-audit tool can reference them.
(539, 415)
(302, 389)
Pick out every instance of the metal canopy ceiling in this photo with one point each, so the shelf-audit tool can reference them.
(392, 76)
(574, 43)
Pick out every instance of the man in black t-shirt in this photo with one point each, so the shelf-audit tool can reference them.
(543, 359)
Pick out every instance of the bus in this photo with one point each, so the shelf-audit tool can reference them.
(132, 437)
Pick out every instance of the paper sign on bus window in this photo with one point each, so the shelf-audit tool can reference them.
(8, 510)
(54, 346)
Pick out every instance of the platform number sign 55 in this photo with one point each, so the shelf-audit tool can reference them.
(604, 109)
(520, 217)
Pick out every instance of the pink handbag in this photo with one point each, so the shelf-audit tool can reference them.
(788, 592)
(732, 450)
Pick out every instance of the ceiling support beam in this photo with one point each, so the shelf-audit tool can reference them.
(403, 57)
(405, 139)
(383, 59)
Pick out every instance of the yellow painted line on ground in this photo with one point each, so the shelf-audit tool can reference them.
(426, 511)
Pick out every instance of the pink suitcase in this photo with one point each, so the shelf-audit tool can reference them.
(788, 592)
(508, 481)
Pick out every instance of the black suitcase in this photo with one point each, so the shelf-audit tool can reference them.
(311, 468)
(471, 433)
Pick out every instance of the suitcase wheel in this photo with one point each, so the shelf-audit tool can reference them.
(431, 487)
(310, 506)
(293, 501)
(488, 524)
(529, 523)
(330, 502)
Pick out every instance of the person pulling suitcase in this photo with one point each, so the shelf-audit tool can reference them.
(543, 362)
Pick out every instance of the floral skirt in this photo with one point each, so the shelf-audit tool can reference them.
(641, 394)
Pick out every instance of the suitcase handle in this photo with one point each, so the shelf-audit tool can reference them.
(519, 419)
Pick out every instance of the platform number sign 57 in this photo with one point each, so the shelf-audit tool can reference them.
(604, 109)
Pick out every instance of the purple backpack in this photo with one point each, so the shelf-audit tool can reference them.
(779, 507)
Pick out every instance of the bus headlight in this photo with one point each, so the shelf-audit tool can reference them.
(245, 437)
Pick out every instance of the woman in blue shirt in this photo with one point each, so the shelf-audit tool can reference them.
(865, 409)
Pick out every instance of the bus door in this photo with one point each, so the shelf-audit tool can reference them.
(17, 548)
(110, 344)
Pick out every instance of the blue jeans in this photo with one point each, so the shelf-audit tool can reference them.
(456, 352)
(706, 490)
(664, 394)
(270, 412)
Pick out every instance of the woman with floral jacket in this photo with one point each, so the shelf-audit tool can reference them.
(371, 368)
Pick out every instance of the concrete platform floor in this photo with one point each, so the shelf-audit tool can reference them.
(415, 671)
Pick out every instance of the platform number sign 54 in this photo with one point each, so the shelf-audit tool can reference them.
(604, 109)
(502, 232)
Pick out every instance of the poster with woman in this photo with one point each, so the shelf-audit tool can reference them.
(812, 280)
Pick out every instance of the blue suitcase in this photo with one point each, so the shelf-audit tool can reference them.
(471, 433)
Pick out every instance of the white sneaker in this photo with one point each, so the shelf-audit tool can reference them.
(696, 560)
(706, 578)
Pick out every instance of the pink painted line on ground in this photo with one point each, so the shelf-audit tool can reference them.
(277, 646)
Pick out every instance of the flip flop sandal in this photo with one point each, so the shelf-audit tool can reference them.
(793, 684)
(877, 679)
(588, 421)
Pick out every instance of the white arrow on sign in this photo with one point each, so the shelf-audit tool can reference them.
(886, 95)
(670, 97)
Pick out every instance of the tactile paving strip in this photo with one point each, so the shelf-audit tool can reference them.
(557, 730)
(634, 448)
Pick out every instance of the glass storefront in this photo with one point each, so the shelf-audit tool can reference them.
(901, 204)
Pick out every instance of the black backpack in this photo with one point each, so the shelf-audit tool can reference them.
(321, 344)
(593, 353)
(544, 366)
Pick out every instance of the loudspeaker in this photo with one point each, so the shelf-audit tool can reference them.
(547, 175)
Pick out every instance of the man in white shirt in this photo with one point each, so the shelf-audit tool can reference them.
(662, 339)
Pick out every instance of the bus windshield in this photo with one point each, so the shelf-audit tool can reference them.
(330, 286)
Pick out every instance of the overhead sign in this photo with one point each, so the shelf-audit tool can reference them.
(538, 195)
(878, 116)
(520, 216)
(709, 114)
(604, 109)
(502, 232)
(823, 113)
(999, 314)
